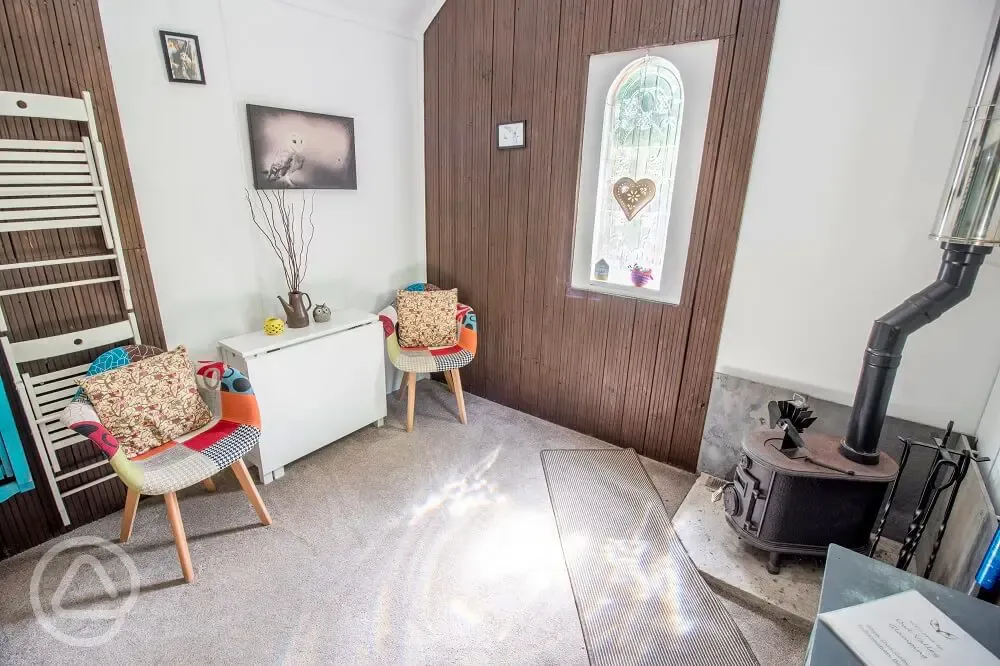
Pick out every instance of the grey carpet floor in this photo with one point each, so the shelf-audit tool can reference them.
(436, 547)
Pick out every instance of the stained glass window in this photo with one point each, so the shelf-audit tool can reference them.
(640, 140)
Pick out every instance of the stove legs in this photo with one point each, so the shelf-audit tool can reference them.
(774, 564)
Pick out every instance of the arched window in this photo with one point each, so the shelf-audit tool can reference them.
(640, 140)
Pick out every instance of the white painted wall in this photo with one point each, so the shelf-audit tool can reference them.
(861, 115)
(188, 153)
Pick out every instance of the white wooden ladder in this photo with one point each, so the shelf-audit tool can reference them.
(47, 185)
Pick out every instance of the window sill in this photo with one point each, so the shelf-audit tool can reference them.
(588, 289)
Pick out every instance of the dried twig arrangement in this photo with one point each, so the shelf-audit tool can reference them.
(285, 228)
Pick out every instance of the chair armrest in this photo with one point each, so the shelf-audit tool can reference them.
(389, 318)
(217, 376)
(81, 417)
(467, 328)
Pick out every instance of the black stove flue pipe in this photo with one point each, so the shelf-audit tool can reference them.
(959, 268)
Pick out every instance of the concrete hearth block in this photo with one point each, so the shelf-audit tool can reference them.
(738, 570)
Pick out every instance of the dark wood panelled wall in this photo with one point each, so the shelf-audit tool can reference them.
(56, 47)
(500, 223)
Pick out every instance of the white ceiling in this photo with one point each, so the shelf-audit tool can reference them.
(408, 17)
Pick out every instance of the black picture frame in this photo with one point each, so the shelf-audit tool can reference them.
(524, 134)
(173, 67)
(327, 177)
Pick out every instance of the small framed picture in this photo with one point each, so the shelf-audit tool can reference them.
(512, 135)
(182, 55)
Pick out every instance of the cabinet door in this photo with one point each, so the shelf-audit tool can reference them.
(314, 393)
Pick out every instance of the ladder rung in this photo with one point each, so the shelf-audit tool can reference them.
(57, 431)
(81, 470)
(44, 167)
(68, 343)
(47, 179)
(40, 190)
(87, 199)
(49, 213)
(44, 380)
(89, 485)
(58, 395)
(43, 225)
(68, 441)
(60, 285)
(31, 144)
(39, 156)
(57, 262)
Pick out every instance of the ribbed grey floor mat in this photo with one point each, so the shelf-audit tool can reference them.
(639, 596)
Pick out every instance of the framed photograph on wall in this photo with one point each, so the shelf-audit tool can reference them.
(301, 150)
(182, 56)
(511, 136)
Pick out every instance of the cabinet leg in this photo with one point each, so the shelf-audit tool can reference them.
(380, 423)
(774, 564)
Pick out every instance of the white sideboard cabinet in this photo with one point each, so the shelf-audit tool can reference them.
(314, 385)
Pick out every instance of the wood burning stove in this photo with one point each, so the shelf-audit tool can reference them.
(800, 505)
(808, 491)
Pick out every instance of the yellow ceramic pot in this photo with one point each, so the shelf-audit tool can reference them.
(274, 326)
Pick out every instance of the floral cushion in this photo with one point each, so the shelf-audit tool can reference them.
(149, 402)
(427, 318)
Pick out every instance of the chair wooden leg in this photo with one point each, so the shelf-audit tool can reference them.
(209, 485)
(402, 385)
(411, 390)
(243, 476)
(456, 382)
(177, 526)
(448, 380)
(128, 518)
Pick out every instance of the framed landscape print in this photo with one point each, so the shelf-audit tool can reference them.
(301, 150)
(182, 56)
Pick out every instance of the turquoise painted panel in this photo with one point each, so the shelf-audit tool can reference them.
(15, 475)
(6, 469)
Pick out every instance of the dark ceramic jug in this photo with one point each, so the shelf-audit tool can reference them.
(296, 311)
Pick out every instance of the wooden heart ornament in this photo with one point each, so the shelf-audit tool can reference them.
(633, 196)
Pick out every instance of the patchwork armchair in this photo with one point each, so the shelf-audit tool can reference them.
(189, 460)
(449, 360)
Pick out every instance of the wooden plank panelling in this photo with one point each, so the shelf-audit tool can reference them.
(506, 362)
(56, 47)
(751, 56)
(631, 372)
(497, 356)
(550, 40)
